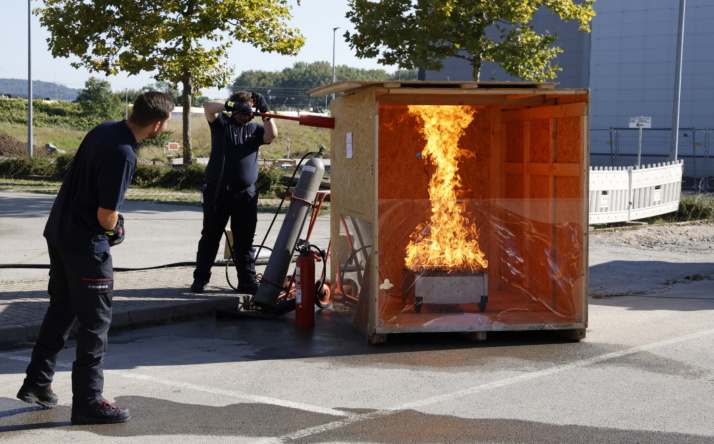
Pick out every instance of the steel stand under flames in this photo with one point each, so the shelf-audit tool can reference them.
(272, 283)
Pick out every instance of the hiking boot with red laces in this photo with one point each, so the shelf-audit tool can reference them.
(42, 396)
(99, 412)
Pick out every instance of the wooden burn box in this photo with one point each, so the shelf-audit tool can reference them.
(522, 186)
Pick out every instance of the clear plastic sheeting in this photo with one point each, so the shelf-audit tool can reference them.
(534, 279)
(534, 273)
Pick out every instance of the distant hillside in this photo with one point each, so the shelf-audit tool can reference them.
(40, 89)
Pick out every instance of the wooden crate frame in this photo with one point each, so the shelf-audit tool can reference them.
(539, 156)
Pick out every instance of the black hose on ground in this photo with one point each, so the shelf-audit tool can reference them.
(155, 267)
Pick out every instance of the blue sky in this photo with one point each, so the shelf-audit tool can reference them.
(314, 18)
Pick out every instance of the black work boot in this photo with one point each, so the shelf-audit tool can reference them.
(42, 396)
(98, 412)
(248, 287)
(198, 285)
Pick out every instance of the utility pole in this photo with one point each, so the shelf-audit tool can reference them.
(674, 145)
(29, 78)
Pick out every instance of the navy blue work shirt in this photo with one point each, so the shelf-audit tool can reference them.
(234, 152)
(98, 177)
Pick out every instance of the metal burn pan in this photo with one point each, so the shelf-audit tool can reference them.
(439, 287)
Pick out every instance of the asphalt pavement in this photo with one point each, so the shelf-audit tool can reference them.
(154, 288)
(644, 373)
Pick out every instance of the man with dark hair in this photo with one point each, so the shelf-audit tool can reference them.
(229, 186)
(83, 224)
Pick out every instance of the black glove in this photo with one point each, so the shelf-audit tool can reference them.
(259, 102)
(231, 106)
(116, 236)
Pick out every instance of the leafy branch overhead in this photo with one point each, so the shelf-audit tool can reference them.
(180, 41)
(422, 33)
(171, 37)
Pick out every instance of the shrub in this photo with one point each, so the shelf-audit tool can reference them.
(695, 207)
(186, 178)
(147, 175)
(18, 167)
(161, 140)
(62, 163)
(270, 182)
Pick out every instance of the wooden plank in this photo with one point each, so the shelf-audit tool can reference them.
(505, 93)
(550, 112)
(351, 85)
(567, 170)
(462, 97)
(337, 88)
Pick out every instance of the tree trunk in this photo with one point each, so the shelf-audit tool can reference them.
(476, 63)
(186, 98)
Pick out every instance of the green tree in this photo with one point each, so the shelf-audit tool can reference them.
(422, 34)
(288, 88)
(181, 41)
(98, 100)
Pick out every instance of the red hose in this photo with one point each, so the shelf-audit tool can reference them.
(307, 120)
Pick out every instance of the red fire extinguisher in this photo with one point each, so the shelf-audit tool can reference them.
(305, 288)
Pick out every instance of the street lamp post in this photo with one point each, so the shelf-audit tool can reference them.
(333, 56)
(29, 79)
(333, 53)
(674, 144)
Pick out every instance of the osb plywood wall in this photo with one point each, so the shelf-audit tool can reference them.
(545, 175)
(353, 181)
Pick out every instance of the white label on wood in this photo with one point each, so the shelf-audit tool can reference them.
(349, 145)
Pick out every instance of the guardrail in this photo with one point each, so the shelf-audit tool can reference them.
(624, 194)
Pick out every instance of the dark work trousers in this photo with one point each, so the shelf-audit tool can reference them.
(241, 206)
(80, 287)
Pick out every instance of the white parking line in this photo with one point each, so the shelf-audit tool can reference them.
(488, 386)
(204, 389)
(354, 418)
(233, 394)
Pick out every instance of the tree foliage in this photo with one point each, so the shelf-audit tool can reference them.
(98, 100)
(288, 88)
(181, 41)
(422, 33)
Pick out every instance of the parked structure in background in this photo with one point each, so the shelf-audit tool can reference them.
(628, 62)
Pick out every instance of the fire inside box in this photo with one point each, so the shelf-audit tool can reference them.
(462, 207)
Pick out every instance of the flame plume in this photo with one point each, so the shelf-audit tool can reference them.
(449, 240)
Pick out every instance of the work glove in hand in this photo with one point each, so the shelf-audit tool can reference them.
(232, 106)
(116, 236)
(259, 102)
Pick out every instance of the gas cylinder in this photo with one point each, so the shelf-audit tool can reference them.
(282, 253)
(305, 288)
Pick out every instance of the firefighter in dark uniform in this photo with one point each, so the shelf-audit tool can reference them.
(83, 224)
(229, 187)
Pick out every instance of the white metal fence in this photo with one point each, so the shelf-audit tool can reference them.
(624, 194)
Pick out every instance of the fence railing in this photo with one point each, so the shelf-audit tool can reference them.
(620, 147)
(625, 194)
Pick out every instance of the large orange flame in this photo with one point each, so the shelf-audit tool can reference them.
(449, 241)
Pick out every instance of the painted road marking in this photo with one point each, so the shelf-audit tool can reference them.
(488, 386)
(354, 418)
